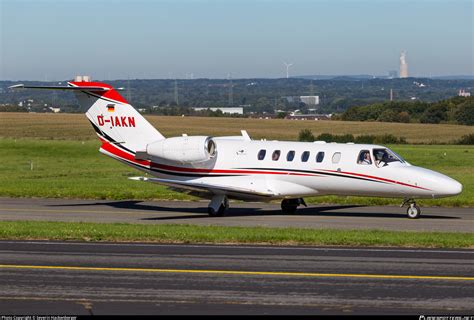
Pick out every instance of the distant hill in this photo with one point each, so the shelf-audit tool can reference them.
(340, 77)
(459, 77)
(166, 96)
(368, 76)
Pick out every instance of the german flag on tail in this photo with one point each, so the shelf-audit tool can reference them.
(111, 107)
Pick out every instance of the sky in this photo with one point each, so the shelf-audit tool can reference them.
(55, 40)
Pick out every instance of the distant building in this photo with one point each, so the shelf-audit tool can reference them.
(310, 100)
(230, 110)
(55, 110)
(82, 79)
(308, 116)
(463, 93)
(403, 65)
(419, 84)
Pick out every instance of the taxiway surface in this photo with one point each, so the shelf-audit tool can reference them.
(130, 278)
(240, 214)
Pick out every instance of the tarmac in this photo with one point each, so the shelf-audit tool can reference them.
(240, 214)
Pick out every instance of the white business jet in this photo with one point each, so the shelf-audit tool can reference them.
(238, 167)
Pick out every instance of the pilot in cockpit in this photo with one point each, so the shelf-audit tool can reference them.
(365, 158)
(381, 158)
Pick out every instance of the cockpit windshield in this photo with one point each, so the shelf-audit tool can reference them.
(384, 157)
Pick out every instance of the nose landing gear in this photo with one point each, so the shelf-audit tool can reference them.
(413, 211)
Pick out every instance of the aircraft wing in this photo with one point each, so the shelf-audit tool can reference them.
(209, 188)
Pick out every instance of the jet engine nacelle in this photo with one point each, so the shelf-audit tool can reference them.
(183, 149)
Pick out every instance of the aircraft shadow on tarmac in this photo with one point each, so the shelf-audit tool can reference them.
(201, 211)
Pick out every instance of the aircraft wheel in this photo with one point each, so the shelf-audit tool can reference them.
(289, 206)
(413, 211)
(219, 213)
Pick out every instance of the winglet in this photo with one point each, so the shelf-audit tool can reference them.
(17, 86)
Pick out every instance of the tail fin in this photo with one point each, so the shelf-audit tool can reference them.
(112, 117)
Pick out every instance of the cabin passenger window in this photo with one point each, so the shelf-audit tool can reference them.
(336, 157)
(290, 155)
(320, 156)
(261, 154)
(364, 157)
(305, 156)
(276, 155)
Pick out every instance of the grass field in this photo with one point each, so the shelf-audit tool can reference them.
(36, 230)
(77, 127)
(75, 169)
(56, 155)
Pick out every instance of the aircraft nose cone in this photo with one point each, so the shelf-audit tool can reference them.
(452, 187)
(447, 187)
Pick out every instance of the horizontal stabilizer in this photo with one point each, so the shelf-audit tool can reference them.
(81, 88)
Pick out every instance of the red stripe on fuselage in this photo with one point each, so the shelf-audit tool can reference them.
(197, 170)
(115, 150)
(377, 178)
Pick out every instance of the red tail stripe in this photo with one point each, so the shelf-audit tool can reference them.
(122, 154)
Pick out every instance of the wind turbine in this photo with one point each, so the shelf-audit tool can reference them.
(287, 65)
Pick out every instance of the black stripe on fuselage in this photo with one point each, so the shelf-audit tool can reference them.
(318, 172)
(111, 140)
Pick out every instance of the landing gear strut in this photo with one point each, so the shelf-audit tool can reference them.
(218, 205)
(289, 206)
(413, 211)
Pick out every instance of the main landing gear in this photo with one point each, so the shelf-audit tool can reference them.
(289, 206)
(413, 211)
(218, 205)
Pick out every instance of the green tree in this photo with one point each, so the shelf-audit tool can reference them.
(281, 115)
(465, 112)
(388, 116)
(305, 135)
(434, 114)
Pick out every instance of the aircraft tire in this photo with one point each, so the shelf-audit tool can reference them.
(288, 206)
(413, 212)
(218, 213)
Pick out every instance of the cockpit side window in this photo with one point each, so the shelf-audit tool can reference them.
(364, 157)
(384, 157)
